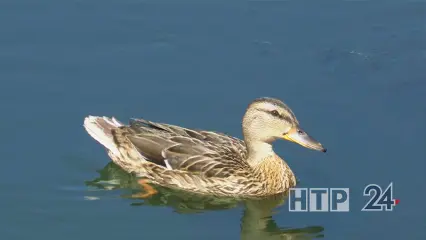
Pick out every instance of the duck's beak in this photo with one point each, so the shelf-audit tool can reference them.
(297, 135)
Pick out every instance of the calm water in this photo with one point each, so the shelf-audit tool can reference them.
(352, 71)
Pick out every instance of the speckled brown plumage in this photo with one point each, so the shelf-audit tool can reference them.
(199, 161)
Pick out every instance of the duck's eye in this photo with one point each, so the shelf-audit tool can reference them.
(300, 132)
(275, 113)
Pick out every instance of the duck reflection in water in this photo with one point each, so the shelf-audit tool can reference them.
(256, 222)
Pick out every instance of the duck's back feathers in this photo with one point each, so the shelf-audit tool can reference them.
(203, 152)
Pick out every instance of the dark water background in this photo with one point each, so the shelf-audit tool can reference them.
(352, 71)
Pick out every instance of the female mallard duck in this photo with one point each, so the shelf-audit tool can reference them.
(207, 162)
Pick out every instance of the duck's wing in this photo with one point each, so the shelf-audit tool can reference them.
(211, 154)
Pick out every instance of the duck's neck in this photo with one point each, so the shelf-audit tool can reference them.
(270, 168)
(257, 151)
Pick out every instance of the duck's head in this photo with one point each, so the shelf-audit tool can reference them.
(269, 119)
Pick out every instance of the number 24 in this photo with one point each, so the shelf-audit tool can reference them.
(379, 201)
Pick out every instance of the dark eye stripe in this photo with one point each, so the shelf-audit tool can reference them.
(286, 118)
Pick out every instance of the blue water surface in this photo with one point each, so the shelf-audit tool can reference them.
(352, 71)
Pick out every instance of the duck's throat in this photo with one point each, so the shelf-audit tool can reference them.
(258, 151)
(270, 168)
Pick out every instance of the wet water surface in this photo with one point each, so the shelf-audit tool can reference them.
(352, 72)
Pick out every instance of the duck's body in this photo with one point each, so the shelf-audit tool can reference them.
(205, 162)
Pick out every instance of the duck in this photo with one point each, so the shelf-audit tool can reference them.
(206, 162)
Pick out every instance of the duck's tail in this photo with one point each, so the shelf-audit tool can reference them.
(100, 128)
(108, 132)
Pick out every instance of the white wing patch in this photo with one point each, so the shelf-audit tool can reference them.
(168, 164)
